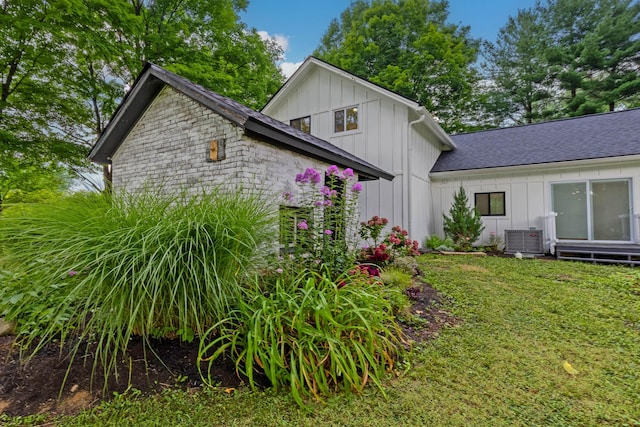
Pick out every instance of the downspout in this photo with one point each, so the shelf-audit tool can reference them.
(422, 113)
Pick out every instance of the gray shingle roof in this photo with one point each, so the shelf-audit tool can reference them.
(153, 78)
(580, 138)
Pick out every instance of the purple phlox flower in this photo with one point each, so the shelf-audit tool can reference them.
(309, 175)
(325, 191)
(357, 187)
(328, 232)
(348, 172)
(302, 225)
(333, 170)
(318, 203)
(328, 202)
(279, 270)
(72, 273)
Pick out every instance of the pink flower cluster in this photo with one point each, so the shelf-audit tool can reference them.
(333, 170)
(310, 175)
(399, 240)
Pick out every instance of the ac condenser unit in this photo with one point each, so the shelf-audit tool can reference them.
(524, 241)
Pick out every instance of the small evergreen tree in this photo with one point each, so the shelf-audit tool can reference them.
(464, 224)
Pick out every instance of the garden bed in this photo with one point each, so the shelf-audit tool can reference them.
(34, 388)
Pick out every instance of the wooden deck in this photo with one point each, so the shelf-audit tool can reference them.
(601, 253)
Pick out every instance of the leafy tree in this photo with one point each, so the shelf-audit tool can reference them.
(464, 224)
(518, 70)
(611, 55)
(565, 58)
(64, 65)
(407, 46)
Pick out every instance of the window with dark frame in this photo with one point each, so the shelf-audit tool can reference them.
(345, 119)
(302, 123)
(334, 216)
(490, 204)
(290, 217)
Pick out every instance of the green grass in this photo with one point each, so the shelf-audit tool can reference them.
(502, 366)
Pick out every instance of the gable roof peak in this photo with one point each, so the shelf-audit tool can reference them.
(311, 61)
(152, 79)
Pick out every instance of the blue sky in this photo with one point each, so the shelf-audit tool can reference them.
(298, 25)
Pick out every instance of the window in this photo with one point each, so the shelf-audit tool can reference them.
(593, 210)
(334, 214)
(490, 204)
(302, 123)
(290, 217)
(345, 119)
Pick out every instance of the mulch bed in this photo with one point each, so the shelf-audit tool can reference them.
(35, 387)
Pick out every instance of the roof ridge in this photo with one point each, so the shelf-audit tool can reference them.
(562, 119)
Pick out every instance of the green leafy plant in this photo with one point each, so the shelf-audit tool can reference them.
(372, 229)
(463, 224)
(494, 244)
(313, 334)
(320, 228)
(396, 243)
(438, 244)
(103, 270)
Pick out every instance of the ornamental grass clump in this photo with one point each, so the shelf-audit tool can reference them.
(314, 335)
(104, 269)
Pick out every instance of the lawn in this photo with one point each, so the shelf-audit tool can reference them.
(539, 343)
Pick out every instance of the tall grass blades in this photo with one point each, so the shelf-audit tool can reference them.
(314, 335)
(138, 265)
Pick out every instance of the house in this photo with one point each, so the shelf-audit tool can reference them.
(173, 134)
(386, 129)
(575, 181)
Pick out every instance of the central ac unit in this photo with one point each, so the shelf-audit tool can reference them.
(524, 241)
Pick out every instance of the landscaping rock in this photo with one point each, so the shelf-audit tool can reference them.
(7, 328)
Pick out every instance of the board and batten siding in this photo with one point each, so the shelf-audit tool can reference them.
(168, 150)
(528, 199)
(382, 139)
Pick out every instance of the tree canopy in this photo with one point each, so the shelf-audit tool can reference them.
(64, 66)
(407, 46)
(565, 58)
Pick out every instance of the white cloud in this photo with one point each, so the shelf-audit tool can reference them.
(280, 39)
(288, 68)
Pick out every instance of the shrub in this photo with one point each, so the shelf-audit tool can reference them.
(372, 229)
(408, 264)
(313, 334)
(464, 224)
(137, 265)
(395, 244)
(494, 244)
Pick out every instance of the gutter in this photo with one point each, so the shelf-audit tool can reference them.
(423, 115)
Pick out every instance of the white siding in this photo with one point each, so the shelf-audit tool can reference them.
(382, 139)
(527, 192)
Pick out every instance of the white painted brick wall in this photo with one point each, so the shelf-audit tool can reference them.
(168, 148)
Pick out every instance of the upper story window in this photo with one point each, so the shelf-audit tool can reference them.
(302, 123)
(345, 119)
(490, 204)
